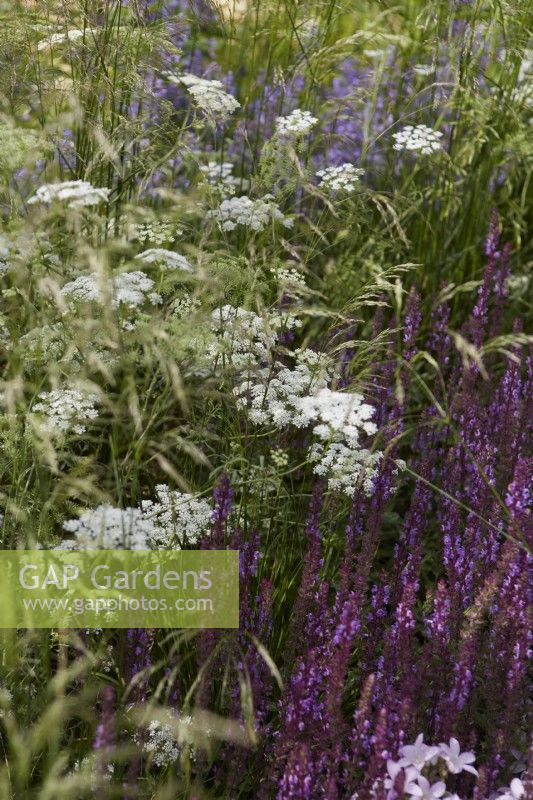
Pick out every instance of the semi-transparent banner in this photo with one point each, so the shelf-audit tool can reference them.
(119, 589)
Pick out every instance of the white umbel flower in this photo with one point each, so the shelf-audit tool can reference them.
(253, 214)
(109, 528)
(160, 744)
(209, 96)
(297, 123)
(220, 175)
(342, 179)
(164, 743)
(333, 413)
(418, 138)
(165, 259)
(129, 288)
(76, 194)
(66, 410)
(178, 517)
(59, 38)
(243, 338)
(271, 395)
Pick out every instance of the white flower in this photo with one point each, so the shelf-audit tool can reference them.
(393, 769)
(417, 754)
(162, 524)
(216, 171)
(66, 409)
(344, 465)
(165, 743)
(516, 791)
(76, 194)
(130, 288)
(185, 305)
(165, 259)
(221, 176)
(243, 339)
(423, 69)
(282, 396)
(340, 179)
(109, 528)
(254, 214)
(417, 138)
(335, 413)
(155, 232)
(455, 760)
(133, 289)
(427, 791)
(290, 280)
(297, 123)
(161, 744)
(58, 38)
(177, 516)
(4, 254)
(209, 96)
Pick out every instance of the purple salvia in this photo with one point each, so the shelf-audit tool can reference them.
(105, 732)
(412, 321)
(436, 656)
(373, 781)
(104, 739)
(298, 781)
(455, 701)
(359, 741)
(344, 636)
(310, 579)
(518, 500)
(140, 643)
(439, 339)
(478, 323)
(223, 497)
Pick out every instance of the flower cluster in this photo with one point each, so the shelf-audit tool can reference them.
(180, 518)
(342, 179)
(297, 123)
(209, 96)
(108, 528)
(160, 744)
(65, 410)
(156, 232)
(185, 305)
(172, 520)
(165, 259)
(131, 289)
(76, 194)
(58, 38)
(406, 778)
(418, 138)
(220, 175)
(164, 743)
(243, 339)
(290, 280)
(253, 214)
(275, 394)
(4, 255)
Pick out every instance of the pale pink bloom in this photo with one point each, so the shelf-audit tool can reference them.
(394, 768)
(427, 791)
(417, 754)
(516, 791)
(455, 760)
